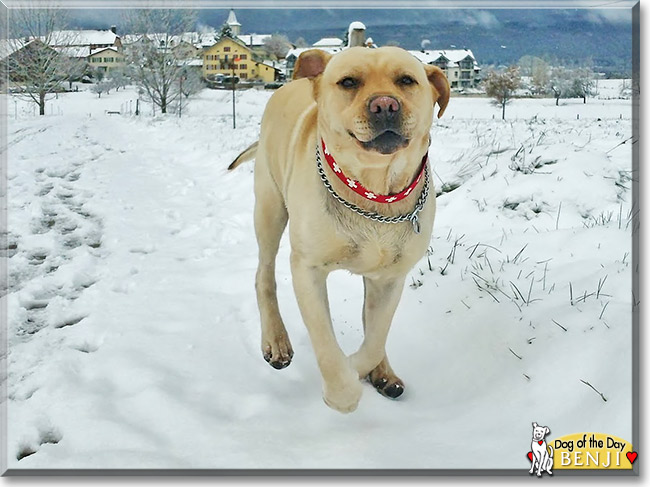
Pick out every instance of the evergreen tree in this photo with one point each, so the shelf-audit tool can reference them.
(225, 31)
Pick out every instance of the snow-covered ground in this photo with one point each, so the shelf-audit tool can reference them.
(133, 330)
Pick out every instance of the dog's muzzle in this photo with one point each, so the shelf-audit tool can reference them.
(384, 114)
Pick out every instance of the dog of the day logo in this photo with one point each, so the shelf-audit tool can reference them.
(578, 451)
(540, 455)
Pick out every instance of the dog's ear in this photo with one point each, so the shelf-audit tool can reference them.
(534, 425)
(440, 86)
(311, 63)
(547, 430)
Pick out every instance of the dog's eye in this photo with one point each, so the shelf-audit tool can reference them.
(406, 81)
(348, 82)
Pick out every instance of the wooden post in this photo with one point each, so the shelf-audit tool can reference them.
(234, 116)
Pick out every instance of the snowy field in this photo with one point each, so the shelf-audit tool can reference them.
(133, 330)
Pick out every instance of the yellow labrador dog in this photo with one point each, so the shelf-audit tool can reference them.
(342, 155)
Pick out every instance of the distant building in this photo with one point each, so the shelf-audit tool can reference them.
(459, 65)
(370, 43)
(329, 43)
(86, 41)
(293, 55)
(222, 56)
(254, 41)
(356, 34)
(235, 26)
(185, 49)
(107, 59)
(356, 37)
(17, 52)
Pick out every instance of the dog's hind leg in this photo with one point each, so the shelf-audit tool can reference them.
(270, 221)
(380, 302)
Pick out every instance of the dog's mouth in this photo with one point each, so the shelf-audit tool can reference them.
(386, 142)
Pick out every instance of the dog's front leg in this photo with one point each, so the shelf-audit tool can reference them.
(341, 387)
(380, 302)
(541, 463)
(535, 461)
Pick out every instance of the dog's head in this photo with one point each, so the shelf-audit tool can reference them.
(539, 432)
(374, 100)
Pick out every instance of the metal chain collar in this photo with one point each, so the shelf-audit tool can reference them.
(371, 215)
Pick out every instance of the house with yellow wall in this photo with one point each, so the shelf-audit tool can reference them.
(106, 59)
(228, 53)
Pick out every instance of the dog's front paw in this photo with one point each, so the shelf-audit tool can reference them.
(343, 395)
(277, 351)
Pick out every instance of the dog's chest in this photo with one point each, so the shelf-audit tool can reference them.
(368, 247)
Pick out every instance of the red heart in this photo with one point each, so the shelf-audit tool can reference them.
(631, 456)
(540, 441)
(530, 456)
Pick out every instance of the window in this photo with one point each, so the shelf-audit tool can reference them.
(243, 66)
(226, 49)
(217, 57)
(242, 57)
(243, 75)
(108, 59)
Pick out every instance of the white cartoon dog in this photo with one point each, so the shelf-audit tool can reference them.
(542, 453)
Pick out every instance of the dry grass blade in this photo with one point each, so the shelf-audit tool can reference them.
(600, 393)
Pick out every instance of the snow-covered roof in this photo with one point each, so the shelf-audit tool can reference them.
(130, 38)
(253, 39)
(192, 38)
(111, 49)
(329, 42)
(82, 37)
(454, 56)
(192, 62)
(9, 46)
(75, 51)
(298, 51)
(357, 26)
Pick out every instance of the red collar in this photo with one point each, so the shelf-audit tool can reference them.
(358, 188)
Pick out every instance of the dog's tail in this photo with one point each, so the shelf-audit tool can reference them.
(249, 153)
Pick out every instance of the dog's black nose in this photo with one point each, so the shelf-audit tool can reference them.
(383, 107)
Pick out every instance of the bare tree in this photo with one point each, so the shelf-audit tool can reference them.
(38, 62)
(192, 82)
(300, 42)
(119, 77)
(277, 46)
(76, 71)
(501, 86)
(560, 83)
(540, 76)
(154, 67)
(625, 89)
(101, 87)
(583, 83)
